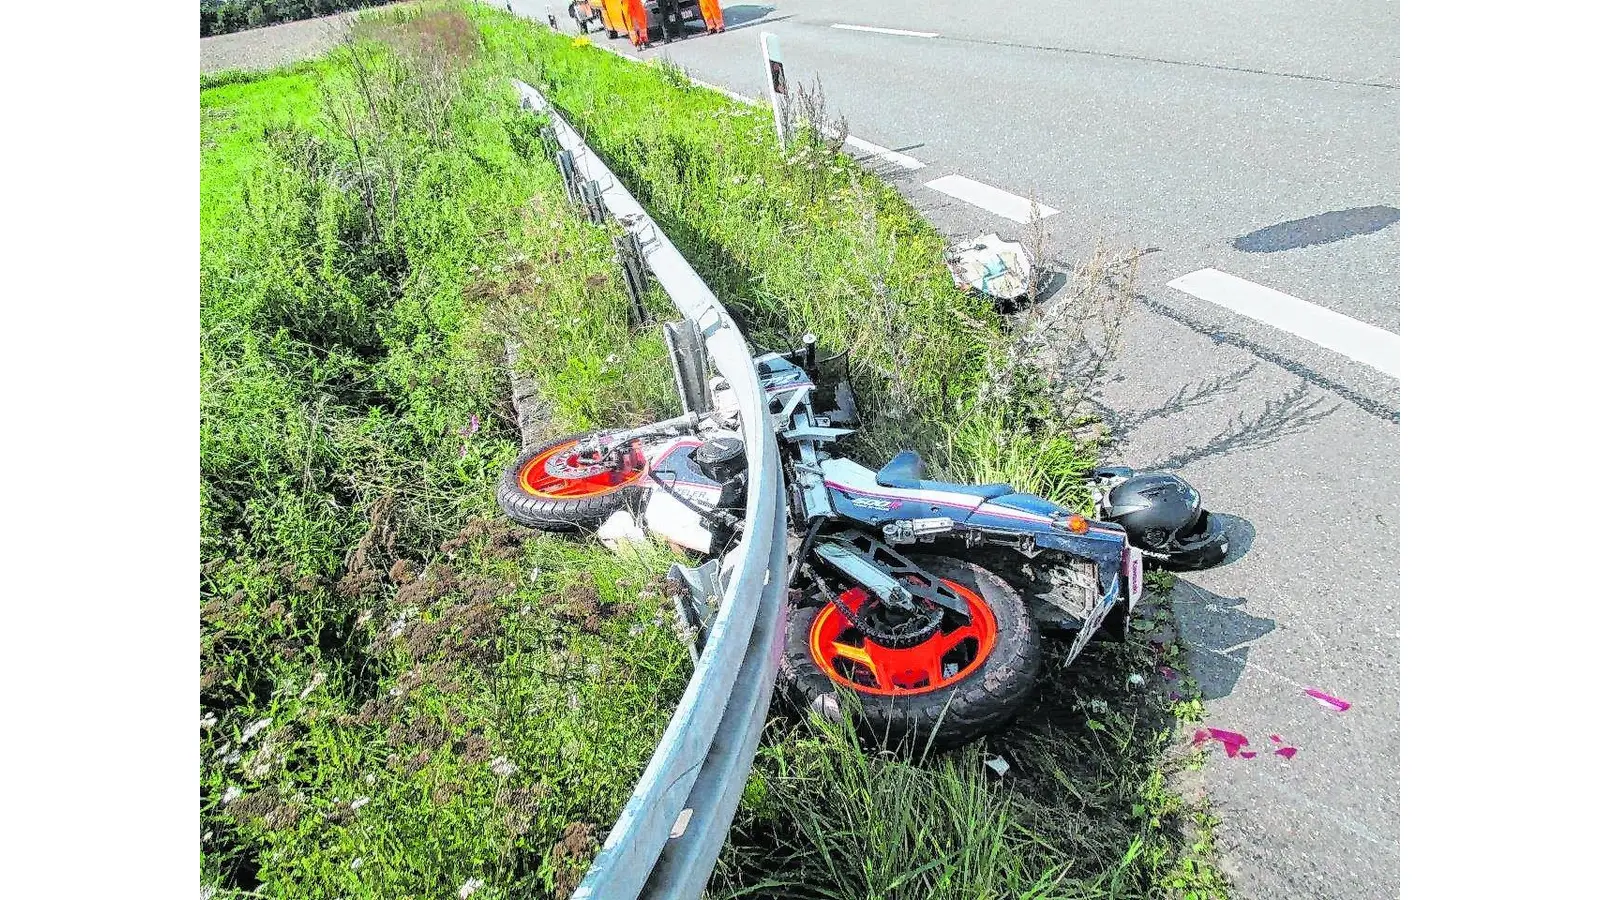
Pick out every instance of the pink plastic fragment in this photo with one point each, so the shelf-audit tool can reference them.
(1276, 739)
(1167, 673)
(1231, 741)
(1328, 700)
(1247, 754)
(1286, 752)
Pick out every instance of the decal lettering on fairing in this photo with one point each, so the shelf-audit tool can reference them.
(873, 502)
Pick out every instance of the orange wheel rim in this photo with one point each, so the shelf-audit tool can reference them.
(558, 474)
(853, 660)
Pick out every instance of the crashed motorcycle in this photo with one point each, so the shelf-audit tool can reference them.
(927, 600)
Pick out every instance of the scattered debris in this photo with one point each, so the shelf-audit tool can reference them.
(620, 529)
(1231, 741)
(997, 268)
(503, 767)
(1235, 743)
(1328, 700)
(998, 765)
(1135, 679)
(359, 802)
(470, 888)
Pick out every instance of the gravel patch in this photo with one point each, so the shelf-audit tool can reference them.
(274, 45)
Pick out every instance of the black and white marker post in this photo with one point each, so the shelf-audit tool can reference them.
(777, 83)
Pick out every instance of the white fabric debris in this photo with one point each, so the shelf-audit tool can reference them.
(997, 268)
(620, 529)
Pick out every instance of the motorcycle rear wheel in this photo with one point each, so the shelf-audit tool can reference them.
(987, 670)
(550, 489)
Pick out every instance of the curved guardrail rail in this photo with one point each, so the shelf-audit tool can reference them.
(667, 838)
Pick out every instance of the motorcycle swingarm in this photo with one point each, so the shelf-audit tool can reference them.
(878, 568)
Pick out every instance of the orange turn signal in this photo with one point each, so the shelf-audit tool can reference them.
(1077, 524)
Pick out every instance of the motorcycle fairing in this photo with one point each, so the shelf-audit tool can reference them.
(856, 494)
(672, 462)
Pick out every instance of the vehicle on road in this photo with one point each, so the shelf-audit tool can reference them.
(925, 600)
(638, 18)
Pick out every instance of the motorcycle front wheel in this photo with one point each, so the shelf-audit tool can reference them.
(552, 489)
(960, 683)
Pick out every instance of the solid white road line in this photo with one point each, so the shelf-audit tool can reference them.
(871, 149)
(1338, 332)
(1001, 203)
(922, 34)
(731, 95)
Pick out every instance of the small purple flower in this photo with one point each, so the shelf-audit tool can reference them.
(470, 429)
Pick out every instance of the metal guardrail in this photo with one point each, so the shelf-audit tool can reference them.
(669, 834)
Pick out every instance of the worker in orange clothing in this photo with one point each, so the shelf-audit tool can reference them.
(638, 23)
(711, 14)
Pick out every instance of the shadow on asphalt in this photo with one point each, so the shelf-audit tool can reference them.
(1241, 537)
(1320, 229)
(1218, 632)
(746, 14)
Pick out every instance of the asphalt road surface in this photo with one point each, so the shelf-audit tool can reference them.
(1258, 138)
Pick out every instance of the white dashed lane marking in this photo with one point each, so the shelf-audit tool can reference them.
(871, 149)
(1353, 338)
(899, 31)
(1001, 203)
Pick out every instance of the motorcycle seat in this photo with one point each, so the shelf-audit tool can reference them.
(906, 469)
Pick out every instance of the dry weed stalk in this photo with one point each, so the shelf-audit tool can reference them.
(1065, 346)
(877, 260)
(816, 135)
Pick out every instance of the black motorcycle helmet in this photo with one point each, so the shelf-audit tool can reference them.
(1163, 517)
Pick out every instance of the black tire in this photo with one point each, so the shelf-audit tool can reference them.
(560, 514)
(613, 33)
(982, 702)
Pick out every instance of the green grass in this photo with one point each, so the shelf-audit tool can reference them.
(401, 693)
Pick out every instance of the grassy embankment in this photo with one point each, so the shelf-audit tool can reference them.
(401, 694)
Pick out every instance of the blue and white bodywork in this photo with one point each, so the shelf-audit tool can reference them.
(1094, 566)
